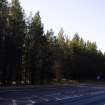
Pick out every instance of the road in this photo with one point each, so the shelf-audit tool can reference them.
(54, 95)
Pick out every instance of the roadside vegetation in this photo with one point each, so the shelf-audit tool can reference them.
(28, 55)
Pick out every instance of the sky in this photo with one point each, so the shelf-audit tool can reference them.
(85, 17)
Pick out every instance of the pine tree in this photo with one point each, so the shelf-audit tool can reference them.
(17, 33)
(61, 39)
(3, 17)
(38, 52)
(3, 33)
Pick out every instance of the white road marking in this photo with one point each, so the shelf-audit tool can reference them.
(45, 99)
(68, 97)
(75, 96)
(14, 102)
(31, 102)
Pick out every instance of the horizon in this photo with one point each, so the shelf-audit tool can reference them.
(85, 17)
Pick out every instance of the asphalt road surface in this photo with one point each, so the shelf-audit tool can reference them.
(54, 95)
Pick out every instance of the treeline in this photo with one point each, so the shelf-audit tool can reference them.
(28, 55)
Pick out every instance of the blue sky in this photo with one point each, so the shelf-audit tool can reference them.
(86, 17)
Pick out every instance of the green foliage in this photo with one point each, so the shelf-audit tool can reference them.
(36, 43)
(3, 17)
(16, 18)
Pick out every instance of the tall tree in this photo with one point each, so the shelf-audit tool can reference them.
(17, 34)
(3, 33)
(61, 39)
(38, 51)
(3, 17)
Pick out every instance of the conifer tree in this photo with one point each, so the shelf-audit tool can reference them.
(17, 33)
